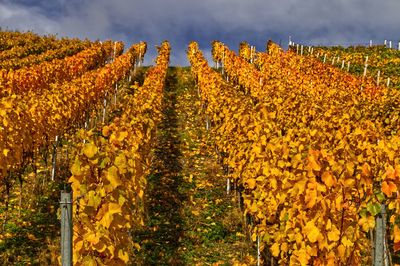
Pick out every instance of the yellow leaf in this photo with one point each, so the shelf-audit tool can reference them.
(257, 149)
(78, 245)
(137, 246)
(331, 259)
(311, 194)
(350, 167)
(76, 168)
(346, 242)
(92, 238)
(112, 176)
(106, 131)
(273, 183)
(313, 132)
(251, 183)
(124, 256)
(111, 248)
(32, 237)
(120, 161)
(141, 193)
(366, 223)
(254, 207)
(296, 160)
(311, 231)
(106, 220)
(342, 251)
(89, 261)
(238, 234)
(313, 163)
(122, 136)
(281, 164)
(94, 199)
(5, 152)
(328, 225)
(75, 184)
(100, 247)
(303, 257)
(334, 234)
(114, 208)
(90, 150)
(284, 247)
(275, 249)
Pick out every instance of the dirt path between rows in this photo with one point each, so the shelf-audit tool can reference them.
(191, 219)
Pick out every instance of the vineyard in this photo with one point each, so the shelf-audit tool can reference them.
(268, 157)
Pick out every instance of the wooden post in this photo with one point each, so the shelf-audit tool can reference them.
(140, 56)
(251, 54)
(381, 255)
(208, 126)
(378, 78)
(86, 120)
(301, 51)
(54, 159)
(348, 66)
(104, 107)
(115, 51)
(342, 63)
(66, 228)
(388, 82)
(365, 66)
(116, 91)
(258, 251)
(223, 61)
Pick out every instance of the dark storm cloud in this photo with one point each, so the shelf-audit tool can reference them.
(180, 21)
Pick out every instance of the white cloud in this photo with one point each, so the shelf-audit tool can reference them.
(180, 21)
(15, 17)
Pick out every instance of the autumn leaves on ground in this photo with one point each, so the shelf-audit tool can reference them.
(190, 218)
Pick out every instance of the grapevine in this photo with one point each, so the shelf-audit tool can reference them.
(109, 174)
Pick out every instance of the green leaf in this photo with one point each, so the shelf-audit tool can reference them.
(380, 196)
(363, 212)
(374, 208)
(104, 162)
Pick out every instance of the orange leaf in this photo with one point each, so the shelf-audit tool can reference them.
(396, 234)
(388, 188)
(251, 183)
(328, 179)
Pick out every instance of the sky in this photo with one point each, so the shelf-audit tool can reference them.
(310, 22)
